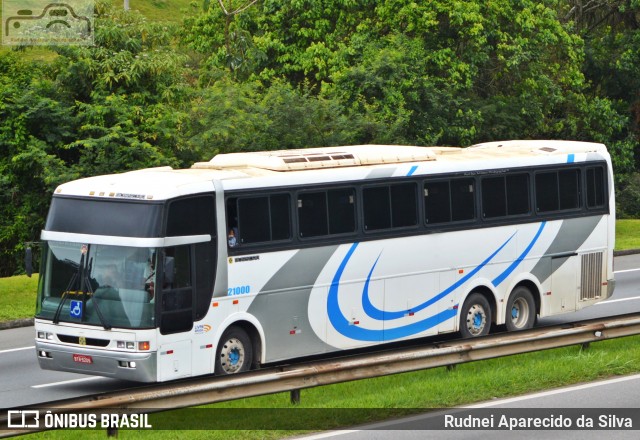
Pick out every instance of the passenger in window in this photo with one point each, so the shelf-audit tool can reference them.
(232, 239)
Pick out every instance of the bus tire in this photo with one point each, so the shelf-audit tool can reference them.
(475, 317)
(521, 309)
(234, 353)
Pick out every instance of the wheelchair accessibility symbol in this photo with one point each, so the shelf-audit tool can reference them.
(76, 309)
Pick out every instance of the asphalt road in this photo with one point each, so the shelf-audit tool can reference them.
(23, 383)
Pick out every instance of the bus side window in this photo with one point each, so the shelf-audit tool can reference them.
(232, 222)
(390, 206)
(326, 212)
(258, 219)
(437, 203)
(463, 204)
(342, 214)
(449, 201)
(312, 214)
(558, 190)
(595, 188)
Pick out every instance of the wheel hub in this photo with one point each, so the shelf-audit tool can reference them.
(232, 356)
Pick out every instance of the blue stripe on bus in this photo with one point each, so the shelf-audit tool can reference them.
(412, 170)
(344, 327)
(384, 315)
(500, 278)
(571, 158)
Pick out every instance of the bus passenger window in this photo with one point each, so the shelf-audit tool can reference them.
(232, 222)
(446, 201)
(517, 194)
(494, 197)
(404, 205)
(558, 190)
(569, 181)
(547, 192)
(280, 217)
(505, 195)
(595, 187)
(258, 219)
(463, 204)
(342, 214)
(312, 214)
(437, 203)
(390, 206)
(254, 221)
(377, 212)
(327, 212)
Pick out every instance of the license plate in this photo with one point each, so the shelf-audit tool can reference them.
(83, 359)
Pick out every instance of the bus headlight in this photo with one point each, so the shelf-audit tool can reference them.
(45, 335)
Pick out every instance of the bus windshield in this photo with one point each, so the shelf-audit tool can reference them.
(107, 286)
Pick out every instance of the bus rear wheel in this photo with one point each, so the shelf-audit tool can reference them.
(234, 353)
(475, 317)
(521, 309)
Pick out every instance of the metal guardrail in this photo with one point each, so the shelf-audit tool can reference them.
(200, 391)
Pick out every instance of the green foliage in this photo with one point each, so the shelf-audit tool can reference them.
(628, 201)
(310, 73)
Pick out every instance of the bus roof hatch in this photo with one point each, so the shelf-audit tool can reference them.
(316, 158)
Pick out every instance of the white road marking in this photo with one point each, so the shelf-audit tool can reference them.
(554, 392)
(64, 382)
(610, 301)
(626, 270)
(17, 349)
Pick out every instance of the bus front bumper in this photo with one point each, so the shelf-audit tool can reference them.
(139, 367)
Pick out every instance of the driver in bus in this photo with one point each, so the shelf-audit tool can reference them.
(110, 277)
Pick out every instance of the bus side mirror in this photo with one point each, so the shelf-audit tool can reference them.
(28, 261)
(169, 267)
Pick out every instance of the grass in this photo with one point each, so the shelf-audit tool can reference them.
(17, 297)
(627, 234)
(356, 402)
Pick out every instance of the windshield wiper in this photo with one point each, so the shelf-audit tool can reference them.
(63, 298)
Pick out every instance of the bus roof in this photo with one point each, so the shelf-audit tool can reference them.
(312, 164)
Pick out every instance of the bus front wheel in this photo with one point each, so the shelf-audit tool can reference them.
(234, 353)
(521, 309)
(475, 317)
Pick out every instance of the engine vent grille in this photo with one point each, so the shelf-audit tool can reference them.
(591, 282)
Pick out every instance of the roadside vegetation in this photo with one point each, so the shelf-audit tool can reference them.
(172, 82)
(627, 234)
(17, 297)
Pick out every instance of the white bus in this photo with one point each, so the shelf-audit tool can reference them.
(255, 258)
